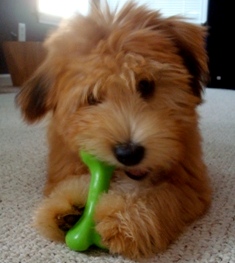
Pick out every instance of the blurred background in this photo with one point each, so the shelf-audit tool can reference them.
(24, 24)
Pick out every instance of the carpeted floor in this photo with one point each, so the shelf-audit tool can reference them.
(23, 167)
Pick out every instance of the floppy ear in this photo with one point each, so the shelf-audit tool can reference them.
(35, 98)
(190, 41)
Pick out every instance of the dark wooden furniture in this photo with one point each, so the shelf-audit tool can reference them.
(23, 58)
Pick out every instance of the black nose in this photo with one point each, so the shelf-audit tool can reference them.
(129, 153)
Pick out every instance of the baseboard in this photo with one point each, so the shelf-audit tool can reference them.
(5, 80)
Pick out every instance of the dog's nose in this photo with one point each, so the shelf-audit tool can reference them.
(129, 153)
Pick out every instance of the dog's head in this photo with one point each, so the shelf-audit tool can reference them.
(122, 86)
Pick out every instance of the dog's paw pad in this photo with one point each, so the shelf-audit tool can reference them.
(66, 221)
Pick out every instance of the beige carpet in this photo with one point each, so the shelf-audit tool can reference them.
(23, 167)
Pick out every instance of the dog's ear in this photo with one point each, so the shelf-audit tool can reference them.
(35, 98)
(190, 41)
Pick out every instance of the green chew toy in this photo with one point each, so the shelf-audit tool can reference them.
(82, 235)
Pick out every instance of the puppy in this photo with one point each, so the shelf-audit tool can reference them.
(123, 86)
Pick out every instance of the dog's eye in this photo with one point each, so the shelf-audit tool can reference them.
(92, 100)
(146, 88)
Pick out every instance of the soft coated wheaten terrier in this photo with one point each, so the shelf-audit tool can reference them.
(123, 86)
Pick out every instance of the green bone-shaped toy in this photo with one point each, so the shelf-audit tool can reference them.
(82, 235)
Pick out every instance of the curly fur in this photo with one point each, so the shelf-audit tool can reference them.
(111, 78)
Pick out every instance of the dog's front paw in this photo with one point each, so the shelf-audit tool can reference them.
(127, 227)
(69, 219)
(63, 208)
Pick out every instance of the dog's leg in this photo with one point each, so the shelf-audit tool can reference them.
(144, 222)
(62, 208)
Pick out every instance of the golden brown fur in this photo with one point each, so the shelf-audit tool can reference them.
(112, 79)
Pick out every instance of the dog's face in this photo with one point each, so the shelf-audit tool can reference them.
(123, 87)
